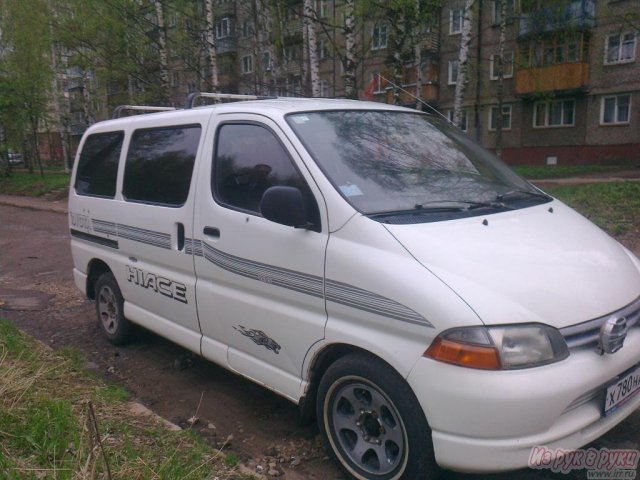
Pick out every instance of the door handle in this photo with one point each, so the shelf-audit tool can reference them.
(180, 235)
(211, 232)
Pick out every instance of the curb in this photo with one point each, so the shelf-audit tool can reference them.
(33, 204)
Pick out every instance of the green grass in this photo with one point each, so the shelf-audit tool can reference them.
(33, 184)
(614, 206)
(46, 430)
(560, 171)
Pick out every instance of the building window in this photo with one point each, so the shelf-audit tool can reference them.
(558, 113)
(247, 64)
(620, 48)
(506, 118)
(464, 123)
(322, 8)
(507, 67)
(223, 28)
(290, 53)
(378, 83)
(379, 37)
(266, 61)
(455, 21)
(324, 88)
(497, 11)
(247, 29)
(174, 79)
(615, 110)
(453, 71)
(322, 50)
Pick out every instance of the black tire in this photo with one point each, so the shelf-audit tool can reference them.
(110, 310)
(372, 423)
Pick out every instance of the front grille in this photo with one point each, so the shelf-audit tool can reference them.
(586, 334)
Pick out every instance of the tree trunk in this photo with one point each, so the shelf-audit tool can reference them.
(350, 90)
(461, 83)
(500, 88)
(162, 50)
(211, 46)
(312, 46)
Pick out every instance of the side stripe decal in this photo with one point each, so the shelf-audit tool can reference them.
(313, 285)
(336, 292)
(94, 239)
(150, 237)
(157, 239)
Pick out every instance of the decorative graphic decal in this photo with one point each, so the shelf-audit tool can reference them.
(259, 338)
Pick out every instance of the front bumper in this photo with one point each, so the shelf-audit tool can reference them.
(488, 421)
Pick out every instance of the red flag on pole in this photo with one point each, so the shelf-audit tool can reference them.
(368, 92)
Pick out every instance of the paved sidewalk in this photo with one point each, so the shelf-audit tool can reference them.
(35, 203)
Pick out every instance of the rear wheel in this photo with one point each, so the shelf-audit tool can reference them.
(372, 422)
(110, 310)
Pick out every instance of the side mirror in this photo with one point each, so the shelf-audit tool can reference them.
(284, 205)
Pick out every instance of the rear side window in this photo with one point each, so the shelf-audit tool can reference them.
(98, 165)
(160, 163)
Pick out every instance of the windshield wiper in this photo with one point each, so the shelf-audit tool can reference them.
(523, 193)
(465, 205)
(443, 206)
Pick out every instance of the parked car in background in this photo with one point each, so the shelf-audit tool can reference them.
(15, 158)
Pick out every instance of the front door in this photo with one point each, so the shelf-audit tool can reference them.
(260, 287)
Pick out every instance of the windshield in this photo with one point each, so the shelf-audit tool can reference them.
(389, 162)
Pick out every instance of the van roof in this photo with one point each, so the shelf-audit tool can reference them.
(276, 107)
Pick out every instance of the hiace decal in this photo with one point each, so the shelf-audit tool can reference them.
(161, 285)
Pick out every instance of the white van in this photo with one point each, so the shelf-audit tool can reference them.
(370, 263)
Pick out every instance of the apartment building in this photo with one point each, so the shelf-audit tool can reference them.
(571, 79)
(570, 84)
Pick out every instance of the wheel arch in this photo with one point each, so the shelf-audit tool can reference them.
(95, 268)
(322, 360)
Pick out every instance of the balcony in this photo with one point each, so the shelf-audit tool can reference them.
(578, 14)
(565, 77)
(226, 45)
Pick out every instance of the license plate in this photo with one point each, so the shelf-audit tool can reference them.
(622, 390)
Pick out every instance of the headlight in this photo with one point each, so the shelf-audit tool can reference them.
(503, 347)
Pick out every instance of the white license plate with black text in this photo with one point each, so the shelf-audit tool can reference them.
(622, 390)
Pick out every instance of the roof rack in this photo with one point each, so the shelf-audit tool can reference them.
(223, 96)
(141, 108)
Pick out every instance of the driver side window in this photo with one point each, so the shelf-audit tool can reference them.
(248, 160)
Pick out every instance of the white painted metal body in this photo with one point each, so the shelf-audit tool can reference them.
(386, 289)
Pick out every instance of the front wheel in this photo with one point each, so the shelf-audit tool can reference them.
(110, 310)
(372, 423)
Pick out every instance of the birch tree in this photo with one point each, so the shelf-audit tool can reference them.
(312, 46)
(349, 61)
(463, 60)
(211, 46)
(162, 48)
(500, 72)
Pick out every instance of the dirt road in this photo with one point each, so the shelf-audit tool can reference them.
(38, 295)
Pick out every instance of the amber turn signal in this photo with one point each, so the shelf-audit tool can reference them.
(464, 354)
